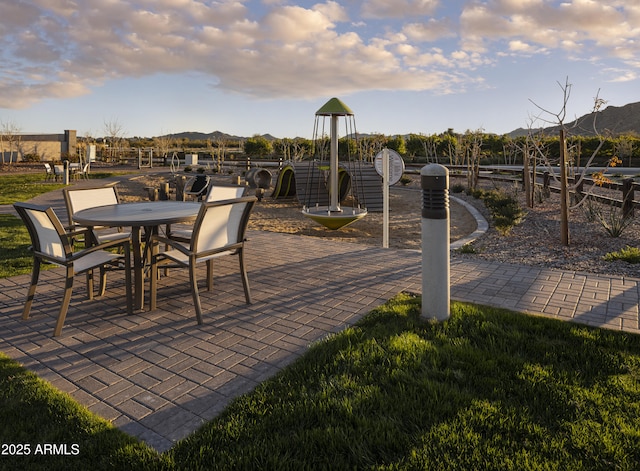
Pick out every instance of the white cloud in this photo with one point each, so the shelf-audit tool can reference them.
(398, 8)
(54, 48)
(430, 31)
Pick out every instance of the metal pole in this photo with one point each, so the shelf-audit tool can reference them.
(334, 191)
(435, 242)
(65, 175)
(385, 198)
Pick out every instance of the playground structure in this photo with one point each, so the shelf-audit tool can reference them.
(322, 184)
(292, 179)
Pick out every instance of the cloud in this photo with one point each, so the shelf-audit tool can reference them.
(398, 8)
(277, 48)
(565, 25)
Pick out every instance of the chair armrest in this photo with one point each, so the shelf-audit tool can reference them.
(172, 243)
(125, 243)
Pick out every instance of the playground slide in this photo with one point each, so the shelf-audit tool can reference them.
(286, 183)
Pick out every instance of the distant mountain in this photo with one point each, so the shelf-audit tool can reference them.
(200, 136)
(613, 120)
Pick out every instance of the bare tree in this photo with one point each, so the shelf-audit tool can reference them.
(566, 151)
(471, 142)
(9, 133)
(115, 133)
(163, 144)
(430, 145)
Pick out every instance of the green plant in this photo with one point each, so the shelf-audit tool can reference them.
(467, 248)
(188, 168)
(405, 180)
(31, 158)
(627, 254)
(457, 188)
(201, 170)
(23, 187)
(610, 217)
(34, 413)
(14, 247)
(504, 208)
(590, 209)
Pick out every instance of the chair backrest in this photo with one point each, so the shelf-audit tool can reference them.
(196, 185)
(219, 193)
(46, 231)
(221, 225)
(48, 168)
(77, 199)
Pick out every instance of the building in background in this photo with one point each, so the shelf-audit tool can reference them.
(18, 147)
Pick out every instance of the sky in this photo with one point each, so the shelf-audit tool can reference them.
(247, 67)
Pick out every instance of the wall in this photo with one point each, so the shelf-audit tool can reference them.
(50, 147)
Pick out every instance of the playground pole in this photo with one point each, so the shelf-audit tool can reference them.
(334, 190)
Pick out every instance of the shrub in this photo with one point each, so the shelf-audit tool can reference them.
(31, 158)
(505, 209)
(405, 180)
(457, 188)
(611, 219)
(467, 248)
(628, 254)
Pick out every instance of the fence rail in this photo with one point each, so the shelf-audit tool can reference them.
(625, 188)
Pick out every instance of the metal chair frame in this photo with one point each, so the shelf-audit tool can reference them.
(51, 243)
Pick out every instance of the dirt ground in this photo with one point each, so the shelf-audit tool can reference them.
(285, 215)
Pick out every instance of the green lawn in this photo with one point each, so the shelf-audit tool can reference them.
(14, 238)
(487, 389)
(23, 187)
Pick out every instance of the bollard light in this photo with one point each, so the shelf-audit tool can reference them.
(435, 242)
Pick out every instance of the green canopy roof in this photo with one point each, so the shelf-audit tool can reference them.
(334, 107)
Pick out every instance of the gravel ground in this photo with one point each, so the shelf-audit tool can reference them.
(537, 240)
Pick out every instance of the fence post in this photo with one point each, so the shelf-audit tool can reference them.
(627, 197)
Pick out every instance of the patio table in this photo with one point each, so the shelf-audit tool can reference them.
(148, 215)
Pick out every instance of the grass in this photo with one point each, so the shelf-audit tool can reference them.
(34, 413)
(486, 389)
(14, 247)
(22, 187)
(14, 238)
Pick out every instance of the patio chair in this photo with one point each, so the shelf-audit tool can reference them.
(58, 172)
(79, 171)
(219, 230)
(77, 199)
(50, 243)
(49, 172)
(196, 186)
(215, 193)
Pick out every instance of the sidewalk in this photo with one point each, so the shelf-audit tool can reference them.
(158, 375)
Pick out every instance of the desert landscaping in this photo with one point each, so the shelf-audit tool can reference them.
(535, 241)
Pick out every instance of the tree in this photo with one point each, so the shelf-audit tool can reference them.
(471, 144)
(258, 146)
(114, 132)
(397, 143)
(164, 144)
(564, 158)
(9, 132)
